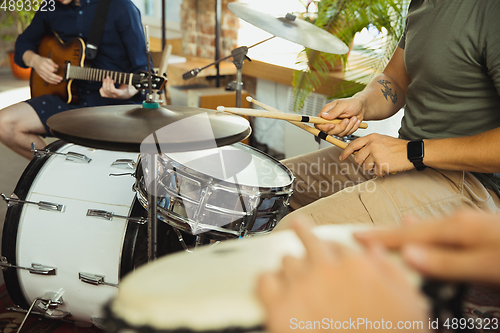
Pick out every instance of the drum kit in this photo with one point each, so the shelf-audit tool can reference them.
(132, 183)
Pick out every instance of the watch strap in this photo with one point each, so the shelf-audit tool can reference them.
(419, 165)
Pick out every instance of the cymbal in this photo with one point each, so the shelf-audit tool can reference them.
(133, 127)
(297, 31)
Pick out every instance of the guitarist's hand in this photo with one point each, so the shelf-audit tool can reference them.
(46, 68)
(109, 90)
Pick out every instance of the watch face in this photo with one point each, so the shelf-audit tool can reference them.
(415, 150)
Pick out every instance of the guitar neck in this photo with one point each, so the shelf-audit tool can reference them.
(96, 74)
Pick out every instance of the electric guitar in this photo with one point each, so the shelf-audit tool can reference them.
(70, 57)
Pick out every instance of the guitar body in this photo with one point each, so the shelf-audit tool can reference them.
(61, 53)
(70, 57)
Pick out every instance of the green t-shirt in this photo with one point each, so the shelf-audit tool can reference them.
(452, 55)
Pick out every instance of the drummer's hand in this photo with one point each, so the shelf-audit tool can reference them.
(350, 109)
(46, 68)
(335, 283)
(462, 247)
(109, 90)
(380, 154)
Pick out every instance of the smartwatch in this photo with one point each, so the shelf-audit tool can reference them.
(415, 151)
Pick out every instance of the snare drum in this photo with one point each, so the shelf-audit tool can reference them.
(225, 192)
(212, 290)
(79, 234)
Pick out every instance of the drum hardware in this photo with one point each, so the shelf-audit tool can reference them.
(149, 95)
(153, 207)
(195, 226)
(122, 174)
(178, 222)
(55, 315)
(252, 206)
(205, 193)
(43, 205)
(94, 279)
(46, 306)
(210, 187)
(124, 163)
(239, 55)
(34, 269)
(70, 156)
(200, 240)
(181, 240)
(109, 216)
(118, 247)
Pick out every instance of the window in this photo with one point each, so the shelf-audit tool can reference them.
(151, 16)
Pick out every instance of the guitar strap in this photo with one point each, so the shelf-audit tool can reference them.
(97, 29)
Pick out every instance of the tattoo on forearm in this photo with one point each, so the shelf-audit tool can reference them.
(388, 93)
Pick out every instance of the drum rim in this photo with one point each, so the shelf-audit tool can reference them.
(11, 224)
(114, 324)
(129, 243)
(263, 189)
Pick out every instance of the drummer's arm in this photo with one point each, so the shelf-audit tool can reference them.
(477, 153)
(383, 97)
(386, 94)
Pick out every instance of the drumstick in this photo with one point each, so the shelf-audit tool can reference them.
(282, 116)
(312, 130)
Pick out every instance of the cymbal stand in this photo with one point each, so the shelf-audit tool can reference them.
(152, 206)
(152, 167)
(239, 55)
(149, 97)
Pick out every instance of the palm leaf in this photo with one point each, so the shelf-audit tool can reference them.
(345, 18)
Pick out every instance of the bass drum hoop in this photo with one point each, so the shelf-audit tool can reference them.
(11, 224)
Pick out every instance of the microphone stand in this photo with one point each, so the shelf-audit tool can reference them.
(239, 55)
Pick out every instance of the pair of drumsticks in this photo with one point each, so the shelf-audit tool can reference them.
(296, 120)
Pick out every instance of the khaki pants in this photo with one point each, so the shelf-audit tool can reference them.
(330, 191)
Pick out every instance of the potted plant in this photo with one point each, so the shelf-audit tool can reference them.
(14, 18)
(344, 19)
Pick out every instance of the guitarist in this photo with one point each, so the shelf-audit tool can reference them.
(122, 48)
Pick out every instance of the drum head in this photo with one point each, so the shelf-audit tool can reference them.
(236, 163)
(210, 290)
